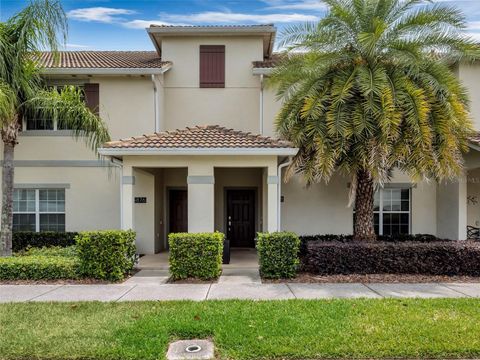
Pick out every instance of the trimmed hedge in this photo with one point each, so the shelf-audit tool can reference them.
(304, 239)
(278, 254)
(24, 239)
(195, 255)
(41, 264)
(428, 258)
(106, 254)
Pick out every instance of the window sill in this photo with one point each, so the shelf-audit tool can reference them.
(46, 133)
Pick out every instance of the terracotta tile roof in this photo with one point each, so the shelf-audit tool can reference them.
(102, 60)
(209, 136)
(475, 138)
(268, 63)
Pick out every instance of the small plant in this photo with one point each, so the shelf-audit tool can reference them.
(107, 254)
(278, 253)
(196, 255)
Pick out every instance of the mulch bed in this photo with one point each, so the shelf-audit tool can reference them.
(374, 278)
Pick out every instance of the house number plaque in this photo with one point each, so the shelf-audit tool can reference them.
(140, 200)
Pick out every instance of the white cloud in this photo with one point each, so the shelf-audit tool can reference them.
(215, 17)
(142, 24)
(474, 35)
(296, 5)
(473, 25)
(76, 46)
(99, 14)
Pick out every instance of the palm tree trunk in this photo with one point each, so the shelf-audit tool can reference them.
(363, 227)
(9, 137)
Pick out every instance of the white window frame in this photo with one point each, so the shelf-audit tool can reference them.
(55, 121)
(37, 207)
(380, 211)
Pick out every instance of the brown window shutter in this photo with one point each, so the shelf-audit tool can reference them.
(92, 97)
(212, 66)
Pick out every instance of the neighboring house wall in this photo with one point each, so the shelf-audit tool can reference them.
(469, 74)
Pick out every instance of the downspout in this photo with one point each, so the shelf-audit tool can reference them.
(119, 164)
(261, 104)
(155, 104)
(279, 192)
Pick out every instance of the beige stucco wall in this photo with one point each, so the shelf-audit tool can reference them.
(473, 201)
(236, 106)
(271, 107)
(322, 208)
(469, 74)
(127, 105)
(144, 214)
(92, 199)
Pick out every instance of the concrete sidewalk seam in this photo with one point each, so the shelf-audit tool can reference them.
(45, 293)
(208, 292)
(458, 291)
(289, 288)
(372, 290)
(126, 292)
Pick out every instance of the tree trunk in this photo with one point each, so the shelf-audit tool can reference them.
(9, 137)
(363, 227)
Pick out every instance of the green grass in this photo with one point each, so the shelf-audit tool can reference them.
(440, 328)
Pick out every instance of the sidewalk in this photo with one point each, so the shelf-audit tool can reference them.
(232, 290)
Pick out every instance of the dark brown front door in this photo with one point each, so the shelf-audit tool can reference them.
(241, 218)
(178, 211)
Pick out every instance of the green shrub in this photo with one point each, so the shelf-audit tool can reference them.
(106, 254)
(24, 239)
(278, 254)
(70, 251)
(38, 267)
(196, 255)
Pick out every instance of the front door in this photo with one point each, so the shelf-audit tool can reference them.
(241, 218)
(178, 211)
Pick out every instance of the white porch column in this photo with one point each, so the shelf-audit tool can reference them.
(452, 209)
(272, 199)
(201, 199)
(128, 180)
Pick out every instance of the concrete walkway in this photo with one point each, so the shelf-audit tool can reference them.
(152, 288)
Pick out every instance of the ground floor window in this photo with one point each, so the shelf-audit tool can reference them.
(392, 211)
(39, 210)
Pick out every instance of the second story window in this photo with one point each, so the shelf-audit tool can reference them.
(212, 66)
(36, 121)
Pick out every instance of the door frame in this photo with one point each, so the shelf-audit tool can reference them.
(256, 211)
(166, 208)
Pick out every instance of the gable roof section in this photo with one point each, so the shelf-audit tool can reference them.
(98, 61)
(266, 31)
(209, 139)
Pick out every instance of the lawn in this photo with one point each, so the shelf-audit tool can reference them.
(440, 328)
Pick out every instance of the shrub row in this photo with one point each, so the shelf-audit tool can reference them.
(349, 238)
(23, 239)
(40, 265)
(107, 254)
(429, 258)
(278, 254)
(195, 255)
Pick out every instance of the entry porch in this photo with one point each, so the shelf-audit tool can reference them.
(235, 195)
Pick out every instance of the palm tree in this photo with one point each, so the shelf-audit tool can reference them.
(22, 90)
(370, 88)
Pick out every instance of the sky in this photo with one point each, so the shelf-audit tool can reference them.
(120, 24)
